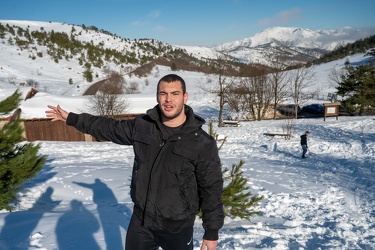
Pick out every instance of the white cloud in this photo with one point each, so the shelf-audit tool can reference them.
(155, 14)
(282, 18)
(160, 28)
(137, 24)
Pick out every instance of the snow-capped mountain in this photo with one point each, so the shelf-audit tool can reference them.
(26, 42)
(291, 44)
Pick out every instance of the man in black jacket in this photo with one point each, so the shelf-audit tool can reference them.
(304, 143)
(176, 171)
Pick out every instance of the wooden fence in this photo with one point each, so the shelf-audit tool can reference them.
(45, 130)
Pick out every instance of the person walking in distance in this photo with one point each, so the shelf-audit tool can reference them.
(176, 171)
(304, 143)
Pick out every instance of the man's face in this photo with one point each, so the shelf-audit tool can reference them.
(171, 100)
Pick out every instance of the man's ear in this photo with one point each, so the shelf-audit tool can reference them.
(186, 95)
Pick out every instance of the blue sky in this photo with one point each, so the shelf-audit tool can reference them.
(194, 22)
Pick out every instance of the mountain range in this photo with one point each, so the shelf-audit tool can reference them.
(293, 45)
(77, 44)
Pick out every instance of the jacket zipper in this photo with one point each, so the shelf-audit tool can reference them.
(161, 146)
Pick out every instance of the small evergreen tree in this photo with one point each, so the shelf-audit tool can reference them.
(18, 161)
(87, 74)
(237, 199)
(173, 66)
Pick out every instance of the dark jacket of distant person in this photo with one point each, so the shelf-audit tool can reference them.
(304, 139)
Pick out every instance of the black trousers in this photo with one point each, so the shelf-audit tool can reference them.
(139, 237)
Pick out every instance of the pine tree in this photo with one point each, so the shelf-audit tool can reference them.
(19, 161)
(10, 103)
(358, 88)
(237, 199)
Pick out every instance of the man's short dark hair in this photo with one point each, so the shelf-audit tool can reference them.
(172, 78)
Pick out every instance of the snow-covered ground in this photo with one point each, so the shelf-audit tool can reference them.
(80, 200)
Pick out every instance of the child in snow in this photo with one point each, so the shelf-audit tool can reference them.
(304, 143)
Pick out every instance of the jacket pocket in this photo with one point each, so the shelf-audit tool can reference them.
(184, 161)
(141, 147)
(189, 193)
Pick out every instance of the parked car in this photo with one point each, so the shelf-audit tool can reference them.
(314, 108)
(288, 109)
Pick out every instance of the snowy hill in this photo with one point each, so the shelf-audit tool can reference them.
(47, 50)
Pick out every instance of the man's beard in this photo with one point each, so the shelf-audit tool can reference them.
(171, 116)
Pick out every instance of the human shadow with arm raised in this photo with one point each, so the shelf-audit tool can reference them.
(112, 215)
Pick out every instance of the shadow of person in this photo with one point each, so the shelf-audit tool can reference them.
(112, 215)
(75, 228)
(19, 226)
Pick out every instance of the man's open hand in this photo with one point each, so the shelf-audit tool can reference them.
(209, 244)
(56, 113)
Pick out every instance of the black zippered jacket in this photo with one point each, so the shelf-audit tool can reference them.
(172, 177)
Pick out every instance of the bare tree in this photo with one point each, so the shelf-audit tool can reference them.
(299, 80)
(278, 83)
(132, 88)
(288, 127)
(235, 98)
(12, 79)
(224, 84)
(32, 83)
(335, 76)
(258, 95)
(114, 83)
(109, 105)
(108, 100)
